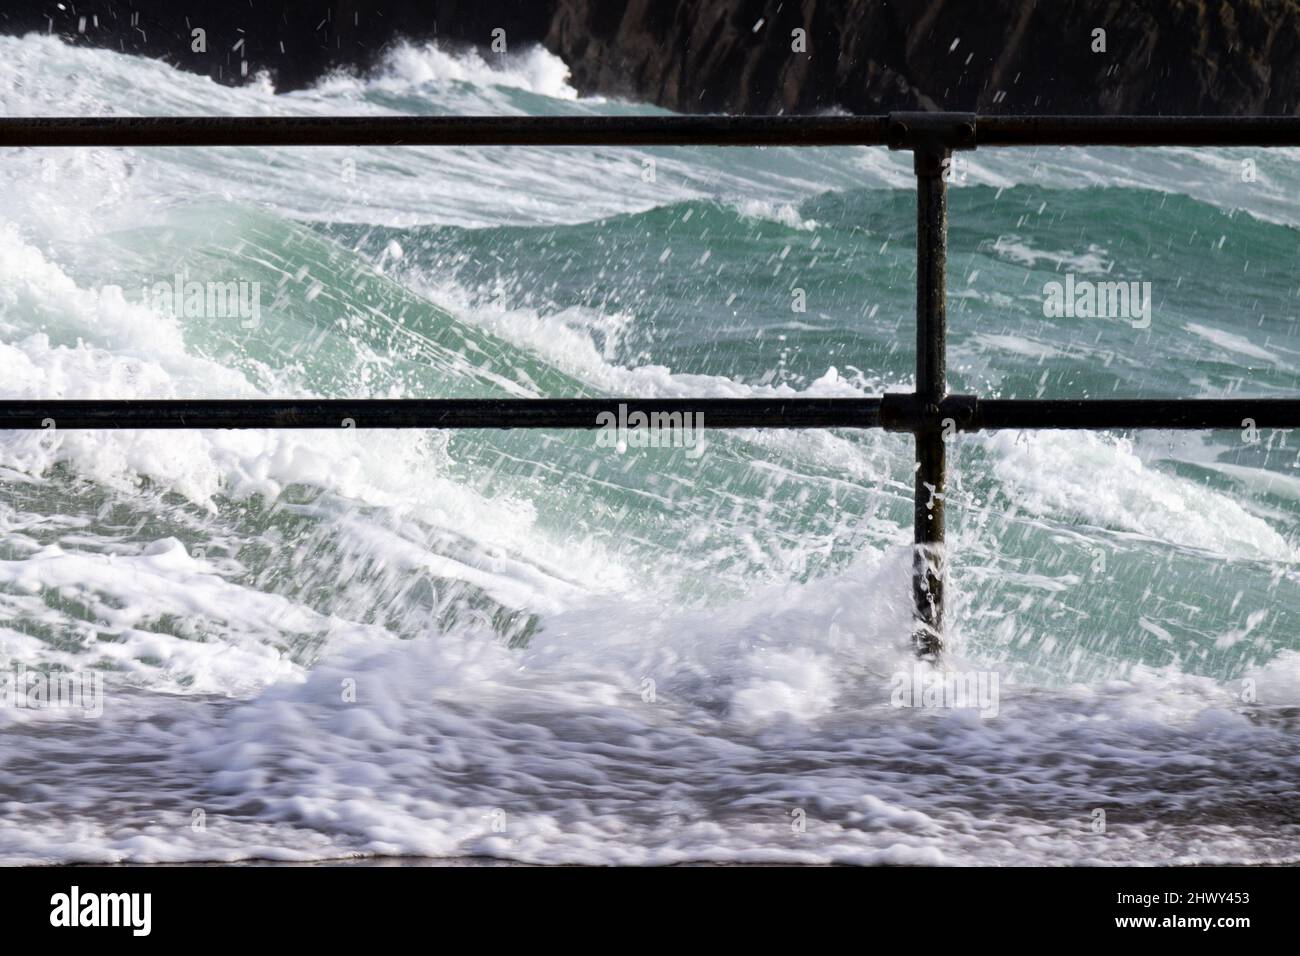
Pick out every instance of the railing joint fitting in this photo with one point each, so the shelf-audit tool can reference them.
(906, 412)
(961, 410)
(931, 137)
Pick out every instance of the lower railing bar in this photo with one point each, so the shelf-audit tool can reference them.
(899, 412)
(1205, 413)
(904, 412)
(577, 413)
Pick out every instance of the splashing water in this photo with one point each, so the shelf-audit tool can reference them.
(528, 646)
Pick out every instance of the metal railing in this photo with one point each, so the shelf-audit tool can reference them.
(929, 413)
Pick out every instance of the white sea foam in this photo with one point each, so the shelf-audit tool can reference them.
(783, 213)
(635, 725)
(1101, 479)
(411, 67)
(565, 757)
(1231, 342)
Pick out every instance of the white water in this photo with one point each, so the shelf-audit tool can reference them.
(302, 730)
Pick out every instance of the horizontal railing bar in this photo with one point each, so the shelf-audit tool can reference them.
(572, 413)
(444, 131)
(901, 413)
(645, 130)
(1137, 131)
(1100, 414)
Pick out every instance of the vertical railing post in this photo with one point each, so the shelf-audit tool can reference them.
(931, 137)
(931, 386)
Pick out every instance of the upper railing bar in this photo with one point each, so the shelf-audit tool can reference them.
(445, 131)
(901, 130)
(1137, 131)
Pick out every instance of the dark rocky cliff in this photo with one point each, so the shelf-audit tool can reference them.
(744, 56)
(1161, 56)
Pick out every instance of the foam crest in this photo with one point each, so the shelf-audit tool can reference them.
(1102, 480)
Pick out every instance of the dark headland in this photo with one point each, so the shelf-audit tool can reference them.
(744, 56)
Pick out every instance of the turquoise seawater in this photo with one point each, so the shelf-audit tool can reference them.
(372, 642)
